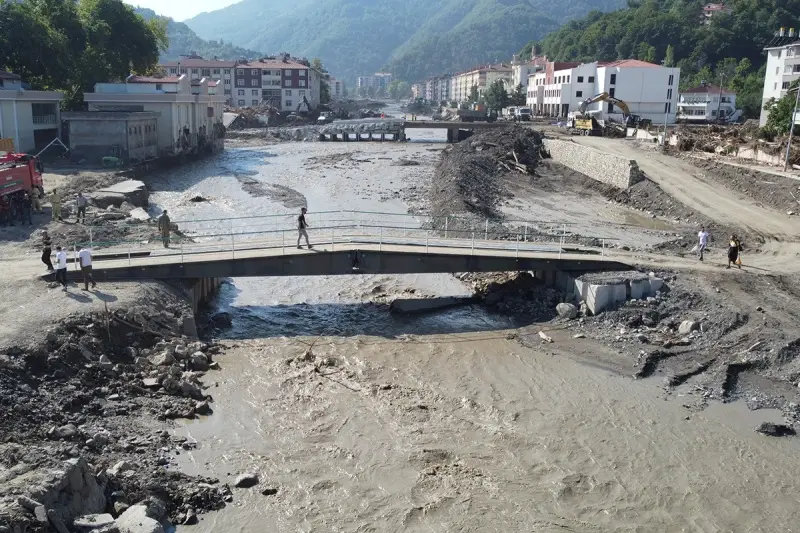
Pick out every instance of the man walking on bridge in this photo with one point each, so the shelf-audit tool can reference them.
(301, 228)
(164, 228)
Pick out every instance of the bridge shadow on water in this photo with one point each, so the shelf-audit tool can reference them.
(346, 319)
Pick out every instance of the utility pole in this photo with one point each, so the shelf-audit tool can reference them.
(719, 96)
(791, 129)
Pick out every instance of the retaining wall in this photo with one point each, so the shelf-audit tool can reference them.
(598, 165)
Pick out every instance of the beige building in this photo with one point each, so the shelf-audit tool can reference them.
(190, 112)
(30, 118)
(197, 68)
(482, 77)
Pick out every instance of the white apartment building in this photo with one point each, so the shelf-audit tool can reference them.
(649, 90)
(482, 77)
(521, 70)
(783, 67)
(437, 89)
(196, 67)
(706, 103)
(336, 88)
(30, 118)
(379, 80)
(187, 110)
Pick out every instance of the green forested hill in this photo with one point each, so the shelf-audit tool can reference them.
(414, 38)
(183, 41)
(729, 51)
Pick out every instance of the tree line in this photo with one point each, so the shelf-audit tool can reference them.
(728, 51)
(69, 45)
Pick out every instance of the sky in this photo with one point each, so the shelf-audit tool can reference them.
(181, 9)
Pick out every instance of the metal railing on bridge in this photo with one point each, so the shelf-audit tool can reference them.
(345, 227)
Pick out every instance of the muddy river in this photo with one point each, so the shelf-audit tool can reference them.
(367, 421)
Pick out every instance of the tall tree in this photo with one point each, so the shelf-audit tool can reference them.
(518, 97)
(496, 95)
(669, 56)
(70, 45)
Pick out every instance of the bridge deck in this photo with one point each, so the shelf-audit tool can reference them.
(348, 258)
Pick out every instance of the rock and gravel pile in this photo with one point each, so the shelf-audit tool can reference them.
(82, 419)
(468, 182)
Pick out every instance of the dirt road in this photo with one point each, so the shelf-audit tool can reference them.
(692, 187)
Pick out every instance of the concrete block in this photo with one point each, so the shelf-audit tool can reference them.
(640, 288)
(655, 285)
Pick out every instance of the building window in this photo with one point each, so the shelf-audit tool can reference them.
(777, 70)
(216, 71)
(302, 83)
(671, 79)
(301, 92)
(206, 72)
(255, 102)
(183, 70)
(173, 71)
(241, 102)
(666, 108)
(288, 103)
(254, 92)
(591, 79)
(578, 94)
(288, 92)
(227, 91)
(669, 94)
(241, 92)
(253, 72)
(779, 53)
(195, 71)
(303, 73)
(239, 82)
(611, 91)
(227, 82)
(159, 87)
(610, 107)
(613, 79)
(785, 85)
(287, 72)
(775, 87)
(568, 78)
(265, 73)
(580, 79)
(254, 83)
(240, 72)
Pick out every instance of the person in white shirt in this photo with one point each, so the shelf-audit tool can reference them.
(702, 238)
(61, 267)
(85, 257)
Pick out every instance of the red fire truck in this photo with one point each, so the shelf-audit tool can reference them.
(19, 173)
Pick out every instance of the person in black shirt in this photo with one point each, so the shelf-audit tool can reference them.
(47, 249)
(27, 209)
(301, 228)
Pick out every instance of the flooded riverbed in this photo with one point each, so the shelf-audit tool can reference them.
(368, 421)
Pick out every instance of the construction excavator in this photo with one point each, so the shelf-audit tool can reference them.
(585, 124)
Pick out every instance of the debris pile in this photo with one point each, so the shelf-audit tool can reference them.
(469, 178)
(92, 397)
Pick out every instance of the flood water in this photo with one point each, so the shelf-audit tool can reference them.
(441, 422)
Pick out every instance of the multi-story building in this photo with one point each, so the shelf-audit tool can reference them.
(285, 84)
(377, 81)
(437, 89)
(521, 70)
(783, 67)
(196, 67)
(189, 112)
(706, 103)
(649, 90)
(30, 118)
(461, 84)
(336, 88)
(417, 91)
(711, 10)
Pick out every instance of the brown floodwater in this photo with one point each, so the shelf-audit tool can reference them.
(475, 432)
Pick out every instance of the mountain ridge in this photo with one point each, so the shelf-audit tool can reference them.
(412, 38)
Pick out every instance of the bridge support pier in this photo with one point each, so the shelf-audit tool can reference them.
(203, 291)
(452, 135)
(383, 137)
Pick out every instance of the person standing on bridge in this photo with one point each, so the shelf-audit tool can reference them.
(164, 228)
(85, 257)
(301, 228)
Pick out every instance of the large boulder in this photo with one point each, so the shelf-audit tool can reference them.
(688, 326)
(136, 520)
(132, 191)
(566, 310)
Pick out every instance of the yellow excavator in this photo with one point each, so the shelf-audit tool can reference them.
(584, 124)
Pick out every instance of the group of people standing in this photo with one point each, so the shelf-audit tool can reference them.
(60, 268)
(734, 248)
(19, 207)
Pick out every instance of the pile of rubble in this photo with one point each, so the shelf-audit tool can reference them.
(469, 179)
(83, 423)
(714, 138)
